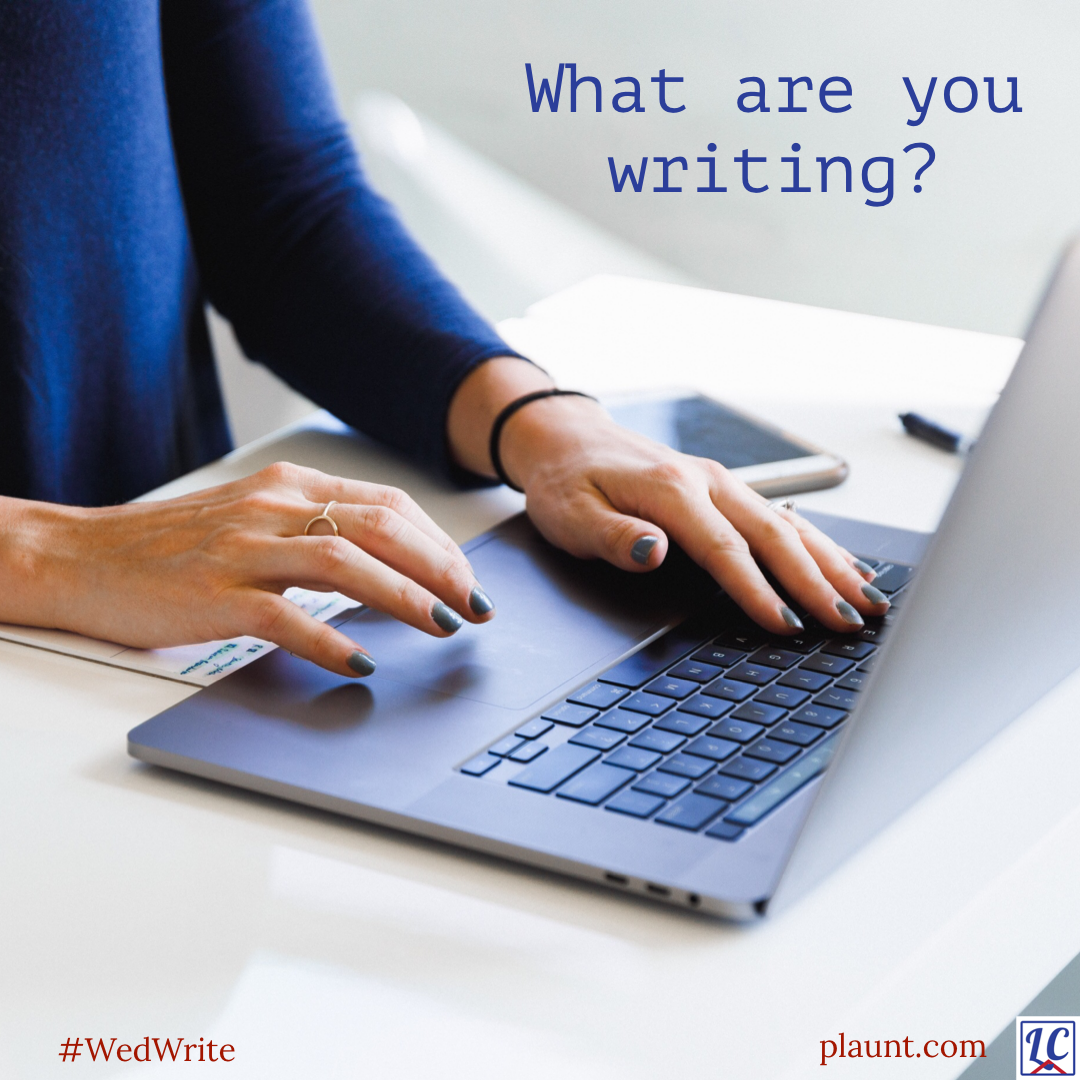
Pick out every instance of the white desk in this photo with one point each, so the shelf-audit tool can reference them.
(136, 902)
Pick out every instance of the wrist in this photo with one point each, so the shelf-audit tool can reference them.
(31, 551)
(545, 432)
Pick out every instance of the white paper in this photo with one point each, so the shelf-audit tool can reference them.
(198, 665)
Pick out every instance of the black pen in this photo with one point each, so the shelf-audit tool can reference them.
(935, 434)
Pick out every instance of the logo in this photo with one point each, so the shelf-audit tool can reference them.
(1046, 1046)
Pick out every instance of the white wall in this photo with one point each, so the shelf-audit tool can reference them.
(971, 251)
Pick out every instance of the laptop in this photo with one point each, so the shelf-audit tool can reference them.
(639, 732)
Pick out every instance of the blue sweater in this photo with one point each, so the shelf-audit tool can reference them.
(156, 156)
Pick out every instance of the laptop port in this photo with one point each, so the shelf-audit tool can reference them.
(658, 890)
(616, 879)
(693, 899)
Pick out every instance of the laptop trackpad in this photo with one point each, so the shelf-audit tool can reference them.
(556, 617)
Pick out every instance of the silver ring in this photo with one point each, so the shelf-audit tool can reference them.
(782, 504)
(324, 516)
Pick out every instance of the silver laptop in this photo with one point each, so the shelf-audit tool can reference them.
(637, 731)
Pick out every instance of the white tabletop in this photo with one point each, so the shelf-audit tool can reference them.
(135, 902)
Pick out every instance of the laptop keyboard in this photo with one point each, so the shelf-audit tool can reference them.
(711, 727)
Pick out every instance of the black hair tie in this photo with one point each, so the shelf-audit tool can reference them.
(506, 413)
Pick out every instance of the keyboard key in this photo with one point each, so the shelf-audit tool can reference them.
(805, 642)
(724, 830)
(695, 670)
(682, 765)
(872, 563)
(678, 689)
(554, 767)
(701, 706)
(893, 576)
(729, 689)
(719, 656)
(724, 787)
(758, 713)
(787, 783)
(801, 679)
(598, 738)
(827, 664)
(783, 697)
(744, 637)
(738, 730)
(713, 749)
(630, 757)
(868, 665)
(854, 680)
(593, 785)
(691, 812)
(534, 729)
(480, 765)
(747, 769)
(571, 715)
(793, 732)
(667, 785)
(874, 631)
(819, 716)
(837, 698)
(774, 657)
(663, 742)
(758, 674)
(853, 650)
(506, 746)
(621, 720)
(529, 751)
(650, 704)
(635, 803)
(770, 750)
(689, 722)
(635, 671)
(597, 695)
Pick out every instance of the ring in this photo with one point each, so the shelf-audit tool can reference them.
(782, 504)
(324, 516)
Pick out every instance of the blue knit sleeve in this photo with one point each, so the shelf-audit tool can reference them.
(314, 270)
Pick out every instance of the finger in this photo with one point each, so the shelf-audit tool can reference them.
(321, 488)
(712, 541)
(398, 543)
(776, 542)
(595, 529)
(271, 617)
(333, 563)
(839, 566)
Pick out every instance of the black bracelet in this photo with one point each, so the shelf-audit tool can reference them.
(507, 412)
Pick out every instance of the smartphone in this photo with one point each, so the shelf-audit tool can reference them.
(771, 461)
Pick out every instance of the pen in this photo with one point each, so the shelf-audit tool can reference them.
(935, 434)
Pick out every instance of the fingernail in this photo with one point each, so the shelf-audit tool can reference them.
(480, 602)
(445, 618)
(791, 618)
(865, 568)
(361, 663)
(875, 596)
(643, 548)
(848, 613)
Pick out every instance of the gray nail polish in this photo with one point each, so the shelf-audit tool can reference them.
(848, 613)
(863, 567)
(361, 663)
(480, 602)
(445, 618)
(791, 618)
(643, 548)
(875, 596)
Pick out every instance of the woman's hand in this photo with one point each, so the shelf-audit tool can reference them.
(214, 565)
(599, 490)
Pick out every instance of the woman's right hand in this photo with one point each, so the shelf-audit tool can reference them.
(214, 565)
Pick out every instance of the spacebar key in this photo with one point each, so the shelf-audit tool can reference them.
(787, 783)
(554, 767)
